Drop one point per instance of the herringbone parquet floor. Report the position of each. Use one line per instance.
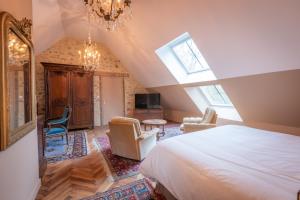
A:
(78, 178)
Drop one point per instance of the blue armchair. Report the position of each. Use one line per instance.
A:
(59, 127)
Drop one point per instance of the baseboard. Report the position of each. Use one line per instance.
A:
(35, 190)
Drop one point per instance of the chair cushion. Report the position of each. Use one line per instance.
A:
(54, 131)
(135, 122)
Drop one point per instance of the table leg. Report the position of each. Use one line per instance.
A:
(163, 132)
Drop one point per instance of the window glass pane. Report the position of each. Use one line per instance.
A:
(216, 95)
(189, 55)
(223, 94)
(194, 48)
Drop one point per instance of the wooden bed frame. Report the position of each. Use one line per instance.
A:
(164, 191)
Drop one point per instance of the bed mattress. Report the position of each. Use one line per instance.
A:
(228, 162)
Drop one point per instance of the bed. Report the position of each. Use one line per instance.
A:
(228, 162)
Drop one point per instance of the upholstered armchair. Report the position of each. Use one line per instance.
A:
(191, 124)
(59, 127)
(128, 140)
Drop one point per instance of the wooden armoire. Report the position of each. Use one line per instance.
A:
(69, 85)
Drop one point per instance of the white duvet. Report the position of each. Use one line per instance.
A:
(229, 162)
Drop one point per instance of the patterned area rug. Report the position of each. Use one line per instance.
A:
(122, 167)
(137, 190)
(171, 131)
(58, 150)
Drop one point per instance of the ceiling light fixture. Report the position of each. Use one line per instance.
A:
(89, 56)
(110, 13)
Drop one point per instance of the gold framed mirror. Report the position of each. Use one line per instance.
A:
(17, 97)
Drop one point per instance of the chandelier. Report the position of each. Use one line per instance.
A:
(89, 56)
(18, 51)
(110, 13)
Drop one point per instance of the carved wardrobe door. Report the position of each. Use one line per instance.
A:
(58, 89)
(82, 90)
(69, 85)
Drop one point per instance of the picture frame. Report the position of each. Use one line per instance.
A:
(17, 85)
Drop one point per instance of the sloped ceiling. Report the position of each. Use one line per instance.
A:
(237, 37)
(47, 24)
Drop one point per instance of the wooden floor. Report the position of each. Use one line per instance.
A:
(78, 178)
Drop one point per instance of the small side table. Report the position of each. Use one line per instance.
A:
(156, 123)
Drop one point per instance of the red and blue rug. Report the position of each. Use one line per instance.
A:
(120, 167)
(123, 167)
(57, 149)
(137, 190)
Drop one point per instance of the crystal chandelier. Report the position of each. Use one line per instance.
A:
(110, 13)
(18, 51)
(89, 56)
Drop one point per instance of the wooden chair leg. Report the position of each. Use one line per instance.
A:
(67, 138)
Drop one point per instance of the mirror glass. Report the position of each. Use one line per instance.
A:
(18, 68)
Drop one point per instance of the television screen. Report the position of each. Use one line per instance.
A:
(144, 101)
(154, 101)
(141, 101)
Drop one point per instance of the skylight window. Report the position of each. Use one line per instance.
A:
(215, 95)
(189, 56)
(184, 60)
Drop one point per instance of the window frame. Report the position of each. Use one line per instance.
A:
(183, 40)
(208, 98)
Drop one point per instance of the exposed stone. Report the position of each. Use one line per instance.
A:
(65, 51)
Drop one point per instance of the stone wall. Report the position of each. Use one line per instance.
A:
(65, 51)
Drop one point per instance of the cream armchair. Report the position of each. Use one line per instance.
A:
(191, 124)
(128, 140)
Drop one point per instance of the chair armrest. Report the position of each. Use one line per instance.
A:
(146, 142)
(147, 134)
(191, 127)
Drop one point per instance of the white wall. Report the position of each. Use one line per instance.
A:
(236, 37)
(19, 173)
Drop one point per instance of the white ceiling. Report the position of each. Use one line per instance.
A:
(237, 37)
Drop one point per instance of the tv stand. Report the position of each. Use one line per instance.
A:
(148, 113)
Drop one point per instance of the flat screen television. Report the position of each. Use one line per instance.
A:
(145, 101)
